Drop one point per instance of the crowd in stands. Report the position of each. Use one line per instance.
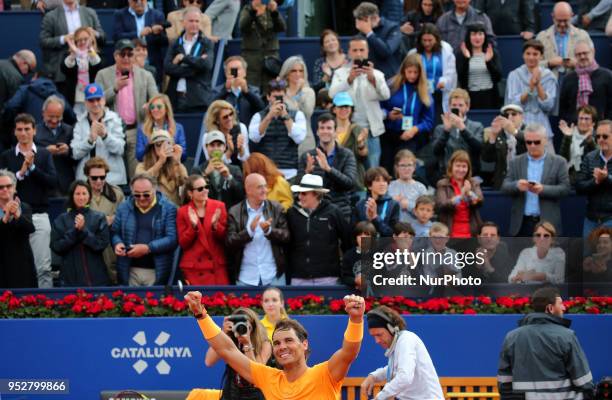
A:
(277, 196)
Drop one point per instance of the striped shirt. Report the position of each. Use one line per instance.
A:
(479, 77)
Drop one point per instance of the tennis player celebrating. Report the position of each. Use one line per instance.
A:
(296, 381)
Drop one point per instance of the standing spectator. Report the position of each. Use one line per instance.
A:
(411, 25)
(144, 235)
(80, 67)
(367, 87)
(335, 164)
(139, 21)
(594, 180)
(259, 46)
(141, 55)
(105, 198)
(526, 359)
(36, 178)
(332, 58)
(378, 208)
(201, 224)
(479, 68)
(383, 37)
(510, 17)
(99, 133)
(453, 24)
(175, 19)
(18, 268)
(127, 88)
(405, 189)
(276, 131)
(223, 14)
(80, 236)
(56, 136)
(189, 63)
(299, 95)
(257, 234)
(319, 231)
(578, 140)
(162, 161)
(278, 187)
(589, 84)
(593, 15)
(12, 73)
(245, 98)
(496, 265)
(534, 88)
(160, 116)
(410, 111)
(458, 197)
(222, 116)
(536, 180)
(558, 41)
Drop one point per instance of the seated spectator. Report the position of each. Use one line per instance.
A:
(438, 263)
(383, 37)
(319, 232)
(457, 132)
(36, 179)
(273, 305)
(479, 68)
(578, 140)
(175, 20)
(189, 63)
(557, 52)
(351, 272)
(367, 87)
(18, 268)
(438, 61)
(453, 24)
(99, 133)
(276, 131)
(224, 180)
(423, 214)
(496, 266)
(138, 20)
(598, 266)
(162, 161)
(256, 235)
(56, 136)
(299, 95)
(334, 163)
(332, 58)
(144, 235)
(378, 208)
(141, 56)
(536, 181)
(510, 17)
(160, 116)
(79, 236)
(223, 117)
(542, 263)
(12, 74)
(409, 110)
(405, 189)
(534, 88)
(245, 98)
(223, 15)
(593, 15)
(458, 197)
(260, 25)
(201, 224)
(593, 180)
(105, 198)
(589, 84)
(80, 67)
(278, 187)
(412, 24)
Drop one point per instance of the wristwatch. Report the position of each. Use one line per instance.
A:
(246, 348)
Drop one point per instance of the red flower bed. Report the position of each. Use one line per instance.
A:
(120, 304)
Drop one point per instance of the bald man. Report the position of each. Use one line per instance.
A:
(257, 230)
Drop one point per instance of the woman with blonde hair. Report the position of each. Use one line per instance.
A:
(410, 111)
(159, 115)
(222, 116)
(273, 304)
(278, 188)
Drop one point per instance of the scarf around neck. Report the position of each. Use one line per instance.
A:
(585, 86)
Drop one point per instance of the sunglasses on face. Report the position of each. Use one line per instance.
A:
(158, 106)
(227, 116)
(126, 55)
(602, 137)
(2, 187)
(541, 235)
(201, 188)
(533, 142)
(142, 195)
(97, 178)
(510, 114)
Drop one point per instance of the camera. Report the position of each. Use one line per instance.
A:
(455, 111)
(241, 325)
(278, 98)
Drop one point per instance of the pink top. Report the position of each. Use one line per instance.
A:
(126, 107)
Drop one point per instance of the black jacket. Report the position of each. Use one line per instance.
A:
(510, 18)
(384, 46)
(446, 143)
(81, 251)
(238, 236)
(247, 104)
(601, 98)
(230, 192)
(316, 240)
(64, 164)
(599, 197)
(196, 67)
(17, 268)
(495, 153)
(10, 79)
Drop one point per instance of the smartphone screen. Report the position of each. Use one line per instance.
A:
(234, 72)
(455, 111)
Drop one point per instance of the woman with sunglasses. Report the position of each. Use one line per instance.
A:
(222, 116)
(541, 263)
(201, 224)
(79, 236)
(159, 115)
(175, 18)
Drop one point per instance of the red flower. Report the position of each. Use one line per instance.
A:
(150, 295)
(117, 293)
(153, 302)
(179, 305)
(49, 304)
(128, 307)
(484, 300)
(469, 311)
(336, 305)
(6, 296)
(14, 302)
(139, 310)
(108, 305)
(234, 303)
(505, 302)
(70, 299)
(593, 310)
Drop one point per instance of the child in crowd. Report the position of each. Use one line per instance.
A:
(405, 190)
(423, 214)
(380, 209)
(351, 260)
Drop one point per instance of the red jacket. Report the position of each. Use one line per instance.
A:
(203, 250)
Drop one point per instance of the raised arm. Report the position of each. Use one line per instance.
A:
(340, 362)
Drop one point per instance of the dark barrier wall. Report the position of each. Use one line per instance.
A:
(100, 354)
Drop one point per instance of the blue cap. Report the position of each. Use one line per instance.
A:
(343, 99)
(93, 91)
